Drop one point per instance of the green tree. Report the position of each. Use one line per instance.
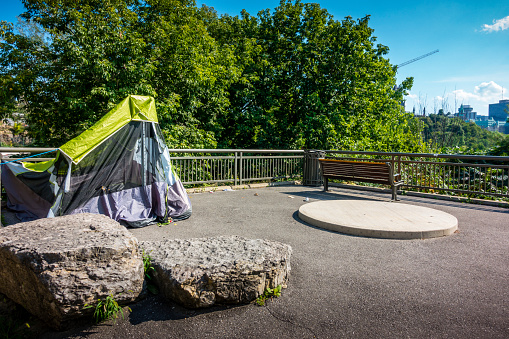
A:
(101, 51)
(311, 81)
(291, 78)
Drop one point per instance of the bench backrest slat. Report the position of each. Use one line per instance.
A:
(376, 172)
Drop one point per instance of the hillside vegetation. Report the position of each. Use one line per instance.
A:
(453, 135)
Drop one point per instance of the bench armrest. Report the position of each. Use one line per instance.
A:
(397, 181)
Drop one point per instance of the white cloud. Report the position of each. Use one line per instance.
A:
(463, 96)
(498, 25)
(486, 92)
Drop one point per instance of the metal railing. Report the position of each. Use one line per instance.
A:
(5, 153)
(200, 166)
(236, 166)
(470, 175)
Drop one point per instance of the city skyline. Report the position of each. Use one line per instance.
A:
(472, 67)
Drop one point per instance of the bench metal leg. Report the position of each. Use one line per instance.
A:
(325, 184)
(394, 194)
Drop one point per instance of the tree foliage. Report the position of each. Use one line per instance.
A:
(309, 81)
(290, 78)
(101, 51)
(444, 134)
(501, 148)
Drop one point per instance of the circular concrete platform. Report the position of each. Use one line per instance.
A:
(379, 219)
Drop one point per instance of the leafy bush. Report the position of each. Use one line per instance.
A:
(269, 294)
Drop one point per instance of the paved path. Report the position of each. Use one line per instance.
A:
(341, 286)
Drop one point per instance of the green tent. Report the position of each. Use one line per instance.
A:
(119, 167)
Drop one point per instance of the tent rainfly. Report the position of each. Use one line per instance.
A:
(119, 167)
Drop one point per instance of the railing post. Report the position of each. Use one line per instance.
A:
(240, 168)
(398, 172)
(312, 173)
(235, 174)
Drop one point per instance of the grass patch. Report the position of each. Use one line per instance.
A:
(149, 269)
(106, 309)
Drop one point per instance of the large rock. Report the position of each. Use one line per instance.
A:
(203, 272)
(53, 267)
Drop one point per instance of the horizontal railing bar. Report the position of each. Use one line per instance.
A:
(269, 178)
(457, 164)
(260, 178)
(209, 157)
(427, 155)
(4, 160)
(207, 181)
(273, 157)
(25, 149)
(174, 150)
(203, 157)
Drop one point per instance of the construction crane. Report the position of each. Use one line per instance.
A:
(418, 58)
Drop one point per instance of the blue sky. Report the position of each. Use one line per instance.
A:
(471, 68)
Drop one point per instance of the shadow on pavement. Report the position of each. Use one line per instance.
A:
(155, 308)
(347, 194)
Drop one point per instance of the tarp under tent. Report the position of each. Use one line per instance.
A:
(119, 167)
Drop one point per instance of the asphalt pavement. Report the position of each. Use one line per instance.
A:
(341, 286)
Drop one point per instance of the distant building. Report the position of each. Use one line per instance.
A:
(497, 111)
(493, 125)
(466, 113)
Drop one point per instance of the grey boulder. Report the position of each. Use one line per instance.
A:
(54, 266)
(225, 270)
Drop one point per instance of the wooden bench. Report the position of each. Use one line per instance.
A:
(362, 171)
